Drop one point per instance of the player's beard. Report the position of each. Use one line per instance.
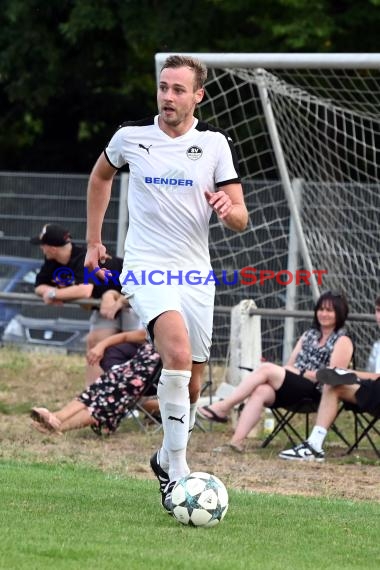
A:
(175, 117)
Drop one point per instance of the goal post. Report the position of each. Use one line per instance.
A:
(245, 342)
(307, 131)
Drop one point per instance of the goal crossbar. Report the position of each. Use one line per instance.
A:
(283, 60)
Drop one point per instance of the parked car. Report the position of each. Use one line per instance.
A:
(17, 275)
(35, 324)
(60, 334)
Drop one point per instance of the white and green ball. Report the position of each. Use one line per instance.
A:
(200, 499)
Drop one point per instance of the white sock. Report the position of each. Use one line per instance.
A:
(317, 437)
(173, 397)
(163, 458)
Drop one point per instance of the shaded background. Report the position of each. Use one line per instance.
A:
(72, 70)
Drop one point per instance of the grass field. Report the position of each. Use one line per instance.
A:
(71, 517)
(84, 502)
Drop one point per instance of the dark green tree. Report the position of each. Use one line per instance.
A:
(72, 70)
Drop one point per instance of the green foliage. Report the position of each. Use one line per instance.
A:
(67, 517)
(71, 71)
(21, 408)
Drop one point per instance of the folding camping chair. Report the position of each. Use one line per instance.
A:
(285, 422)
(136, 405)
(365, 428)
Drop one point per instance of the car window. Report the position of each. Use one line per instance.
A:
(30, 277)
(26, 285)
(23, 283)
(6, 272)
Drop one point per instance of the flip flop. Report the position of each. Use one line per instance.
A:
(336, 376)
(213, 417)
(45, 418)
(43, 429)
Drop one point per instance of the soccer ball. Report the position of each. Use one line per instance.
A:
(199, 499)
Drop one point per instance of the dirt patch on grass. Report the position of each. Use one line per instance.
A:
(52, 380)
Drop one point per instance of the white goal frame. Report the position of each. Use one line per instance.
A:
(284, 61)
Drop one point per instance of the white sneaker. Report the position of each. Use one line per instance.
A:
(303, 452)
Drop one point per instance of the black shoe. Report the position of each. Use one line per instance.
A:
(336, 376)
(162, 476)
(167, 497)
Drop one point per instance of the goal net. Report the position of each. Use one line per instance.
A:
(306, 128)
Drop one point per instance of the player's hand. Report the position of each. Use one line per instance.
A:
(96, 256)
(220, 202)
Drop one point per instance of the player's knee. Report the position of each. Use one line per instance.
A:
(177, 359)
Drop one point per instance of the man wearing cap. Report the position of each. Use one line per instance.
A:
(62, 279)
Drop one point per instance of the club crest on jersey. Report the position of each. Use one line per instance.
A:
(194, 152)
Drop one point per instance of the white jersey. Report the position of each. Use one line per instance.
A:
(168, 212)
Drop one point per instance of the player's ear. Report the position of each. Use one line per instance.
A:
(199, 94)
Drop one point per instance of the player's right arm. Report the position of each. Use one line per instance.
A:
(98, 197)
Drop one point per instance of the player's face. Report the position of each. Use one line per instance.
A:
(326, 315)
(177, 98)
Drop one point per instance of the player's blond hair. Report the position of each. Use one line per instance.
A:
(199, 68)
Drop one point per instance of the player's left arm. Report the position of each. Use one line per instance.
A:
(228, 203)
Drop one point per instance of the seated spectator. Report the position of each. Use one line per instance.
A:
(351, 386)
(113, 347)
(325, 343)
(103, 404)
(62, 279)
(122, 346)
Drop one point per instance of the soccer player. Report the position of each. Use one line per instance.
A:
(181, 169)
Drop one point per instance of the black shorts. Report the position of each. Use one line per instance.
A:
(295, 388)
(368, 396)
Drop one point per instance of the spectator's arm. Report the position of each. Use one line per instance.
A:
(41, 289)
(53, 295)
(341, 356)
(112, 302)
(293, 356)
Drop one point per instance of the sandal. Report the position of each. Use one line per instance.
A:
(46, 419)
(213, 417)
